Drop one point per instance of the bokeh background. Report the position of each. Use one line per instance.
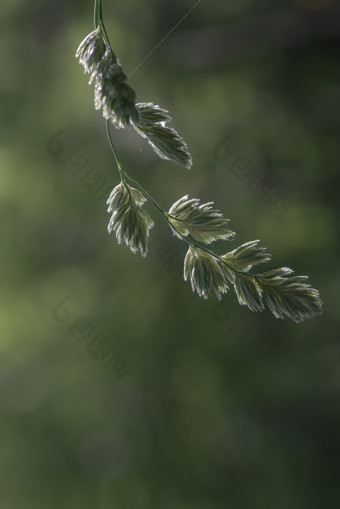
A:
(119, 388)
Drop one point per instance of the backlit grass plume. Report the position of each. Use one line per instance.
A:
(202, 222)
(205, 273)
(130, 222)
(198, 224)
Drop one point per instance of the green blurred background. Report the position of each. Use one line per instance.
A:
(119, 387)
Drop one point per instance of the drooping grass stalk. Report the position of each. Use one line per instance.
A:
(193, 222)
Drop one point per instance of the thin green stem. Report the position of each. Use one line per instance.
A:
(115, 155)
(99, 21)
(96, 16)
(124, 175)
(146, 194)
(106, 37)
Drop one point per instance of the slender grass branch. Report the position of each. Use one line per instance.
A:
(195, 223)
(123, 173)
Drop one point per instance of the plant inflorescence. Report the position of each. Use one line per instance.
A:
(198, 224)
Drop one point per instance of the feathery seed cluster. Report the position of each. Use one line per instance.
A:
(193, 222)
(112, 95)
(130, 222)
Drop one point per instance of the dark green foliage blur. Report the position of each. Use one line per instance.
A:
(120, 388)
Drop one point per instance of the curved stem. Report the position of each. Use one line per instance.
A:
(108, 132)
(111, 144)
(146, 194)
(106, 37)
(123, 174)
(97, 13)
(99, 21)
